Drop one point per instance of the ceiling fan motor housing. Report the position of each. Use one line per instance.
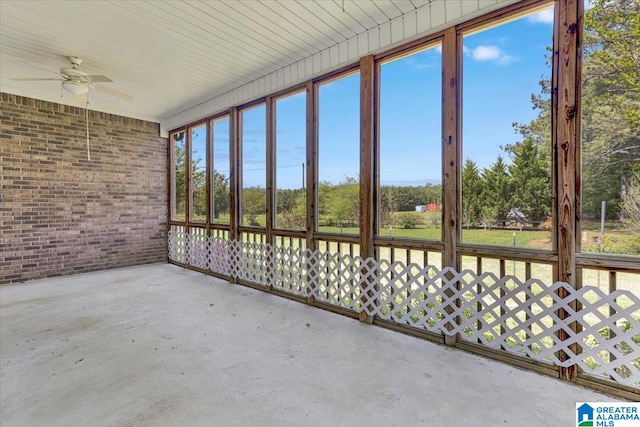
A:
(75, 61)
(74, 74)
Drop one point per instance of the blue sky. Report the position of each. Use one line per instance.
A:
(501, 69)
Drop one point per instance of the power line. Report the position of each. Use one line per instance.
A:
(277, 167)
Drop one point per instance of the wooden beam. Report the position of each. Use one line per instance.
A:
(566, 116)
(270, 207)
(451, 151)
(311, 165)
(171, 161)
(209, 175)
(367, 144)
(270, 137)
(234, 179)
(312, 175)
(620, 263)
(188, 170)
(510, 253)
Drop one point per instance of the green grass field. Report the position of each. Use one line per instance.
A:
(617, 239)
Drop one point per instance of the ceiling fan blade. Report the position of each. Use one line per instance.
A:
(32, 65)
(113, 92)
(34, 80)
(98, 78)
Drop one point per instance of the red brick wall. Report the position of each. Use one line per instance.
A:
(62, 214)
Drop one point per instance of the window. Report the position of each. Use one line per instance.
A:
(198, 202)
(178, 193)
(410, 194)
(220, 182)
(290, 159)
(254, 166)
(339, 154)
(610, 136)
(506, 132)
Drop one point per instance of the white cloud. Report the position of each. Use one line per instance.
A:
(419, 66)
(507, 59)
(543, 17)
(489, 53)
(486, 53)
(422, 63)
(416, 65)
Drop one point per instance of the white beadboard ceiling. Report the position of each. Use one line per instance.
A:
(182, 60)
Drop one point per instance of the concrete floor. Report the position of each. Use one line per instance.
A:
(161, 345)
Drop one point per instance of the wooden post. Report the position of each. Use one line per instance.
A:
(451, 153)
(271, 164)
(187, 180)
(270, 210)
(171, 161)
(234, 179)
(209, 175)
(566, 148)
(311, 170)
(367, 146)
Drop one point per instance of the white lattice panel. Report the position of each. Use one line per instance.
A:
(610, 344)
(199, 251)
(220, 253)
(177, 246)
(336, 279)
(235, 258)
(500, 312)
(255, 262)
(411, 294)
(290, 269)
(517, 317)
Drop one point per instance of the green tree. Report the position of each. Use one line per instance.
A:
(388, 206)
(472, 191)
(221, 194)
(179, 167)
(498, 191)
(407, 220)
(287, 199)
(408, 197)
(198, 191)
(611, 108)
(431, 194)
(632, 202)
(611, 46)
(531, 181)
(538, 130)
(324, 191)
(253, 204)
(529, 175)
(343, 203)
(291, 208)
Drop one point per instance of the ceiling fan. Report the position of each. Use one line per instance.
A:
(78, 83)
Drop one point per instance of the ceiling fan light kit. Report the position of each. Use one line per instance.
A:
(74, 87)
